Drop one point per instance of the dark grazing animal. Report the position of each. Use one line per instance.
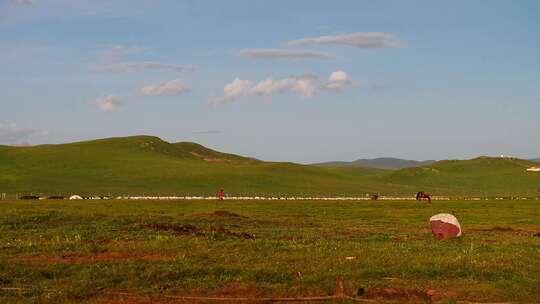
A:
(422, 196)
(28, 197)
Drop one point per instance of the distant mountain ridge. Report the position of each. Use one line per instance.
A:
(379, 163)
(535, 160)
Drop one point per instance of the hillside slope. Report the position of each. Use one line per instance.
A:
(146, 165)
(149, 165)
(380, 163)
(483, 176)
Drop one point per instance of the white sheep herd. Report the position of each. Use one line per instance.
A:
(270, 198)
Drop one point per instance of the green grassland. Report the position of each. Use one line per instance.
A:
(145, 165)
(80, 251)
(148, 165)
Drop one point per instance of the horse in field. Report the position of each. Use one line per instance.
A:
(422, 196)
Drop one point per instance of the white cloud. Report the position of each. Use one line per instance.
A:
(108, 103)
(141, 66)
(14, 134)
(338, 80)
(360, 40)
(284, 54)
(233, 90)
(172, 87)
(306, 85)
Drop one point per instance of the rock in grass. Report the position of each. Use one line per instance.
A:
(444, 226)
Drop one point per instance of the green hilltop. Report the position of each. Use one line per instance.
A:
(146, 165)
(482, 176)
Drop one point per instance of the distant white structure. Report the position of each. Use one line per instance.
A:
(75, 197)
(533, 169)
(507, 156)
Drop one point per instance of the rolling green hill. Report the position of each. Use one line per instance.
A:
(146, 165)
(483, 176)
(380, 163)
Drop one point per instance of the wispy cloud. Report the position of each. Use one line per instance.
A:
(21, 2)
(306, 85)
(115, 52)
(360, 40)
(284, 54)
(207, 132)
(108, 103)
(141, 66)
(172, 87)
(377, 86)
(11, 133)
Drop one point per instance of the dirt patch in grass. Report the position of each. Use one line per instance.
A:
(220, 213)
(117, 243)
(407, 238)
(368, 229)
(441, 294)
(236, 290)
(177, 229)
(404, 294)
(503, 229)
(102, 241)
(393, 294)
(94, 257)
(131, 300)
(124, 297)
(198, 231)
(354, 230)
(242, 290)
(233, 290)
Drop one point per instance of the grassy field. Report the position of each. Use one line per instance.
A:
(146, 165)
(79, 252)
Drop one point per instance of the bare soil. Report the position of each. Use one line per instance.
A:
(198, 231)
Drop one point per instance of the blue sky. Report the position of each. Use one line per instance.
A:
(301, 81)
